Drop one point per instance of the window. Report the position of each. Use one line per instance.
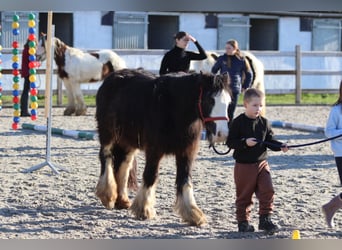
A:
(107, 18)
(7, 36)
(161, 29)
(130, 31)
(263, 34)
(326, 35)
(233, 28)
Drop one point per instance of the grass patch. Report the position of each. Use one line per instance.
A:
(271, 99)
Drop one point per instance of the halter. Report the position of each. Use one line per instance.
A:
(208, 119)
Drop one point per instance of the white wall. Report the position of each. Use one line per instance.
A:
(89, 33)
(290, 35)
(195, 25)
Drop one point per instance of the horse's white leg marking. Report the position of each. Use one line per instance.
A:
(106, 188)
(187, 208)
(70, 109)
(121, 177)
(143, 204)
(81, 108)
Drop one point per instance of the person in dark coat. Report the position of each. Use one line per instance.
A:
(25, 73)
(234, 63)
(178, 59)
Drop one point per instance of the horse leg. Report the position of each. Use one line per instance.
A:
(143, 204)
(186, 205)
(122, 168)
(106, 188)
(81, 108)
(70, 109)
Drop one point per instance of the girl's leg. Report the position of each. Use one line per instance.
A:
(338, 161)
(232, 105)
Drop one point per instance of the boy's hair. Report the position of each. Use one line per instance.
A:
(252, 92)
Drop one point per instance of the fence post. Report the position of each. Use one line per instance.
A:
(59, 91)
(298, 75)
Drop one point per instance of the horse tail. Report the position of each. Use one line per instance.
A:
(132, 178)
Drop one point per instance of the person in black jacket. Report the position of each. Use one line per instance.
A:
(251, 170)
(178, 59)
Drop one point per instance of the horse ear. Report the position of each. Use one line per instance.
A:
(214, 56)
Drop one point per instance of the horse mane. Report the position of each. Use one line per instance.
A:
(59, 52)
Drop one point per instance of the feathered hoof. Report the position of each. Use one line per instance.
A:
(142, 212)
(197, 218)
(108, 197)
(80, 112)
(122, 204)
(108, 203)
(69, 111)
(192, 215)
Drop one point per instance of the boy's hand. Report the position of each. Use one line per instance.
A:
(251, 142)
(284, 148)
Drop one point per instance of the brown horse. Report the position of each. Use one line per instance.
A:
(161, 116)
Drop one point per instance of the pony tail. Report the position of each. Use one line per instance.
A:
(248, 65)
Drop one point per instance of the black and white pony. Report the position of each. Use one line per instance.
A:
(165, 115)
(76, 67)
(256, 66)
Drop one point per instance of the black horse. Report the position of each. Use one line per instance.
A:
(159, 115)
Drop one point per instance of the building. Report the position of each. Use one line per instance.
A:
(269, 35)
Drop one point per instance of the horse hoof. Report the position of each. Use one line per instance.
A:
(122, 204)
(143, 213)
(69, 111)
(80, 112)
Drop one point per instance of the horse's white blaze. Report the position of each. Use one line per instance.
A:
(222, 100)
(144, 201)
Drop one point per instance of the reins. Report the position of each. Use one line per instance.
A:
(218, 152)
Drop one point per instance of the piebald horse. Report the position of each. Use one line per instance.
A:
(160, 115)
(76, 67)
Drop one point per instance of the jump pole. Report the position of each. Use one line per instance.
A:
(48, 101)
(296, 126)
(63, 132)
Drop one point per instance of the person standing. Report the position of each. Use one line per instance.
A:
(251, 170)
(334, 128)
(25, 73)
(178, 59)
(238, 68)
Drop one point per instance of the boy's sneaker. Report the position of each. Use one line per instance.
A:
(244, 226)
(265, 223)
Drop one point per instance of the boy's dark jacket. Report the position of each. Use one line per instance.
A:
(243, 128)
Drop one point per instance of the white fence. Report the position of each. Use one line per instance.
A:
(285, 72)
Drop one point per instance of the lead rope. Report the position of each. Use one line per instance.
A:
(298, 145)
(280, 146)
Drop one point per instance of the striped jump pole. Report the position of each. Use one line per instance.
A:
(63, 132)
(296, 126)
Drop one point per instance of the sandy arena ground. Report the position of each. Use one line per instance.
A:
(43, 205)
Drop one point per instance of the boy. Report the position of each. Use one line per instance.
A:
(251, 170)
